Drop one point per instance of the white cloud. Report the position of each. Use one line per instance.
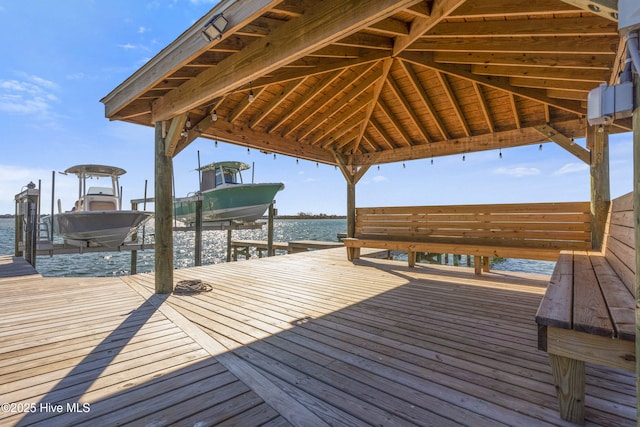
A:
(127, 46)
(379, 178)
(142, 30)
(571, 168)
(518, 171)
(30, 95)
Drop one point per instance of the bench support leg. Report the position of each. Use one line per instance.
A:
(353, 253)
(477, 264)
(411, 256)
(569, 379)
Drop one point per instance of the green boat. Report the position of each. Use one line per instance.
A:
(225, 197)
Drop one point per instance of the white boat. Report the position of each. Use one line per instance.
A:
(97, 217)
(225, 197)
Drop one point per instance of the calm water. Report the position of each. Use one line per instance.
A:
(214, 249)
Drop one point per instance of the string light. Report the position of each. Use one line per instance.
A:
(215, 143)
(248, 152)
(214, 116)
(274, 156)
(432, 160)
(317, 164)
(540, 147)
(464, 157)
(500, 152)
(404, 166)
(251, 97)
(297, 162)
(378, 167)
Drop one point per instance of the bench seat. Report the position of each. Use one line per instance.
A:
(588, 311)
(528, 231)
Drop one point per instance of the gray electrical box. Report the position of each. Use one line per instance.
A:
(628, 16)
(607, 103)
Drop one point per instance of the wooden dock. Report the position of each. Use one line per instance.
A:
(303, 339)
(244, 246)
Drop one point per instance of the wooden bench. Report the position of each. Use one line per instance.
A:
(588, 311)
(528, 231)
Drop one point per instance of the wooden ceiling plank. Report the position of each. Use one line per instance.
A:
(340, 119)
(553, 45)
(293, 74)
(184, 49)
(386, 67)
(382, 132)
(353, 123)
(394, 122)
(551, 84)
(356, 90)
(328, 22)
(556, 27)
(584, 75)
(589, 61)
(317, 88)
(243, 105)
(549, 132)
(500, 83)
(327, 97)
(484, 107)
(242, 135)
(483, 9)
(391, 27)
(454, 102)
(408, 109)
(417, 86)
(439, 11)
(275, 102)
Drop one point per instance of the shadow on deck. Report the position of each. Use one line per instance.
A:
(301, 339)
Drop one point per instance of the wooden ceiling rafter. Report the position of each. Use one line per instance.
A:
(330, 21)
(319, 100)
(379, 84)
(356, 89)
(497, 82)
(408, 110)
(386, 111)
(380, 76)
(449, 92)
(275, 102)
(424, 98)
(484, 107)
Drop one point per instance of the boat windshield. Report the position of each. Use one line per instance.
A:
(105, 191)
(225, 177)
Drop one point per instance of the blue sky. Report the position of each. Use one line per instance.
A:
(60, 58)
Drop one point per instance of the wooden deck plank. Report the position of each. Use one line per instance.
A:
(292, 340)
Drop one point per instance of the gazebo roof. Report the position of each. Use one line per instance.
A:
(374, 81)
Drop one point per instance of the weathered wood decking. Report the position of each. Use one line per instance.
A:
(299, 339)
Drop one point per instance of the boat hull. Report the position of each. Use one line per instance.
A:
(99, 228)
(236, 202)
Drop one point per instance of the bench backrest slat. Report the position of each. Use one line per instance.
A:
(536, 225)
(619, 242)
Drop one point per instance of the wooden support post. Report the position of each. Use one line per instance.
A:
(569, 379)
(134, 239)
(351, 208)
(411, 256)
(636, 214)
(198, 236)
(598, 141)
(19, 229)
(485, 264)
(163, 216)
(270, 250)
(477, 264)
(229, 246)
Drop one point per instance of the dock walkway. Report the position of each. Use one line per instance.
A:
(302, 339)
